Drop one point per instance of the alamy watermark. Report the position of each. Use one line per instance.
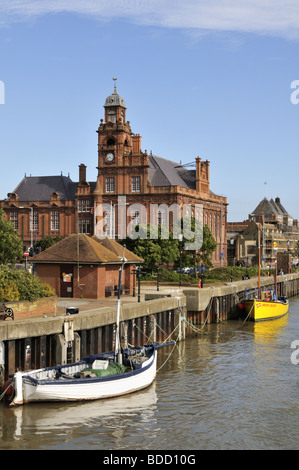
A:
(295, 354)
(182, 221)
(295, 94)
(2, 92)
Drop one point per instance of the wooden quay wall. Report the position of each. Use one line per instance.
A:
(42, 342)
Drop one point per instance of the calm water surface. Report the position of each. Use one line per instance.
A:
(233, 387)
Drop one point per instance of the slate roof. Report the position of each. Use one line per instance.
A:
(91, 251)
(164, 172)
(161, 172)
(114, 100)
(40, 188)
(269, 208)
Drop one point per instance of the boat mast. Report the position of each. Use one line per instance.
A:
(259, 248)
(117, 340)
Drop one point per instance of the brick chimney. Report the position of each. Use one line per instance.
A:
(136, 143)
(82, 173)
(202, 176)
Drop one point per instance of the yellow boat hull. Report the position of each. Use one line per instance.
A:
(260, 310)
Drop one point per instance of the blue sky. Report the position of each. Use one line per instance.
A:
(199, 78)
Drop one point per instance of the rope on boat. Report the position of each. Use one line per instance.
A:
(164, 341)
(148, 338)
(167, 359)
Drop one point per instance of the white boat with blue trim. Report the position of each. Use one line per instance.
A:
(92, 378)
(104, 375)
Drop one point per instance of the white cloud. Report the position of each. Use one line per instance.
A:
(275, 17)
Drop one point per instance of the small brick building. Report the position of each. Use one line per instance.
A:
(84, 266)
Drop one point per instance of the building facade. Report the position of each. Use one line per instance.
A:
(131, 187)
(268, 226)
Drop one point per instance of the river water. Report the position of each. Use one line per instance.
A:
(232, 387)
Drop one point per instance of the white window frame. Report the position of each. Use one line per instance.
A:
(55, 220)
(136, 184)
(83, 205)
(13, 217)
(110, 184)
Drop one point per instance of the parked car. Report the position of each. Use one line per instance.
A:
(185, 270)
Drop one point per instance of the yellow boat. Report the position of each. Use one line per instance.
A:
(266, 308)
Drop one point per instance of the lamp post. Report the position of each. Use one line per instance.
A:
(31, 225)
(180, 238)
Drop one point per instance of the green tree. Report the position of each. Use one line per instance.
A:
(209, 245)
(161, 250)
(46, 242)
(11, 246)
(202, 255)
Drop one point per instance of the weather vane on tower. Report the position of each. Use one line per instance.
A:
(114, 79)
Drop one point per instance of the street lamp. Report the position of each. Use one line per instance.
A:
(180, 238)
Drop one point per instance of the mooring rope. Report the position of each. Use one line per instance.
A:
(200, 330)
(164, 341)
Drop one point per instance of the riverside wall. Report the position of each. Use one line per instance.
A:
(47, 341)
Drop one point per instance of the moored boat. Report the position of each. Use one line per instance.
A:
(92, 378)
(267, 305)
(263, 309)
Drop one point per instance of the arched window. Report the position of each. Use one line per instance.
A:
(111, 141)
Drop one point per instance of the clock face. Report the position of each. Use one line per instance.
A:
(109, 157)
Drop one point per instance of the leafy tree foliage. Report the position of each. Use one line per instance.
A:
(203, 255)
(16, 284)
(160, 251)
(11, 246)
(165, 249)
(46, 242)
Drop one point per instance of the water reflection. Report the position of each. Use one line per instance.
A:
(267, 331)
(42, 419)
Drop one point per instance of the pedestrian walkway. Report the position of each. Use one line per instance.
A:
(87, 305)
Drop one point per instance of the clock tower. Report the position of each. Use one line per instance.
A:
(119, 150)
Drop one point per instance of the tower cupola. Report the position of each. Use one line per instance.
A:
(115, 107)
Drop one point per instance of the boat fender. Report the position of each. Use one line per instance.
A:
(7, 387)
(240, 306)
